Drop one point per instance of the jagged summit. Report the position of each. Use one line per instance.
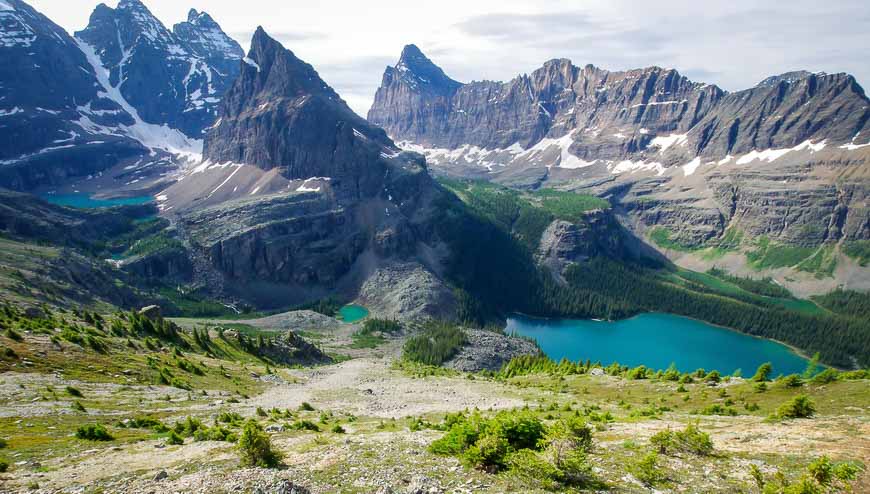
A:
(418, 71)
(172, 77)
(281, 114)
(621, 112)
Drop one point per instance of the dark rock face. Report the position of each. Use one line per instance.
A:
(47, 84)
(619, 113)
(564, 243)
(313, 198)
(280, 114)
(551, 101)
(786, 160)
(176, 78)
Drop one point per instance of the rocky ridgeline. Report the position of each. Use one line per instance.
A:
(616, 115)
(786, 159)
(125, 91)
(174, 77)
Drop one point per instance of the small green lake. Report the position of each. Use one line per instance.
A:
(352, 313)
(86, 201)
(657, 340)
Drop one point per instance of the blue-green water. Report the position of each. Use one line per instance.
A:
(85, 201)
(353, 313)
(657, 340)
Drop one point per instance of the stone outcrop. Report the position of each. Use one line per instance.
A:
(487, 350)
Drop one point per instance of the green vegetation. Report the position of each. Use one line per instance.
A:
(94, 432)
(371, 333)
(763, 372)
(858, 250)
(846, 302)
(765, 287)
(567, 205)
(521, 443)
(152, 244)
(327, 307)
(769, 254)
(373, 325)
(256, 448)
(822, 262)
(436, 344)
(663, 237)
(688, 440)
(820, 476)
(647, 470)
(800, 407)
(497, 274)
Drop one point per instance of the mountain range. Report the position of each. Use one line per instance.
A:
(688, 163)
(276, 192)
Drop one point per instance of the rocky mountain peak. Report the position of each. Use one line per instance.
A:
(281, 114)
(419, 72)
(787, 77)
(204, 37)
(170, 77)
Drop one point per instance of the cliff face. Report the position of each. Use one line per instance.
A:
(786, 160)
(297, 196)
(618, 115)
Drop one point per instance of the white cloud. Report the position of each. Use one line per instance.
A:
(733, 44)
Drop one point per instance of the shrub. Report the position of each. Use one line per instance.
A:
(305, 425)
(827, 376)
(800, 407)
(256, 448)
(174, 439)
(373, 325)
(306, 407)
(713, 377)
(647, 470)
(73, 392)
(337, 429)
(689, 440)
(4, 466)
(3, 443)
(763, 372)
(94, 432)
(718, 409)
(792, 381)
(533, 468)
(14, 335)
(77, 406)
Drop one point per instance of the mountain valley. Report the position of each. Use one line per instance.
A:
(215, 276)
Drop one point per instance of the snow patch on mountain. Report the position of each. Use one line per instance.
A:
(690, 167)
(663, 143)
(636, 166)
(150, 135)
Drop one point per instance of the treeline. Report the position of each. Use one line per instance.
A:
(837, 339)
(436, 344)
(765, 287)
(846, 302)
(497, 275)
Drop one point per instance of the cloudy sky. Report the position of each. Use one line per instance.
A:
(734, 44)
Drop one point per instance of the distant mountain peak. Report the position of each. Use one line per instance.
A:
(417, 70)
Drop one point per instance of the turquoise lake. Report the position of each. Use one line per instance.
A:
(353, 313)
(85, 201)
(657, 340)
